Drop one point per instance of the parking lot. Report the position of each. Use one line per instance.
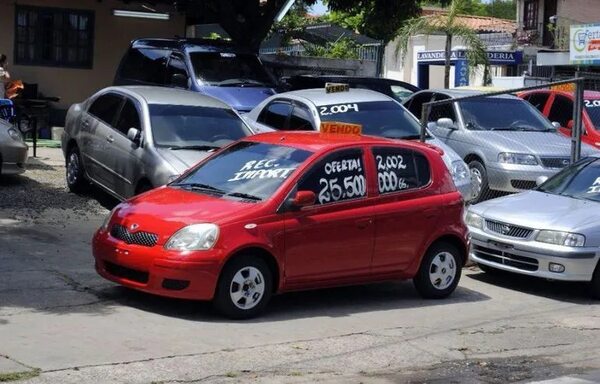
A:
(61, 322)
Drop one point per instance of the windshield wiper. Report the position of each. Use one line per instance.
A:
(244, 196)
(194, 147)
(198, 187)
(241, 82)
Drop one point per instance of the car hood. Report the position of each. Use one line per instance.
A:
(539, 143)
(539, 210)
(165, 210)
(182, 159)
(242, 99)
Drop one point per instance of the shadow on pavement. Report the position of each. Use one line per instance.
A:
(570, 292)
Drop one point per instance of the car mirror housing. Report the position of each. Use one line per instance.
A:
(445, 122)
(556, 124)
(134, 135)
(304, 199)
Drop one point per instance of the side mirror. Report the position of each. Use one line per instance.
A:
(134, 135)
(541, 180)
(556, 124)
(445, 122)
(180, 81)
(304, 199)
(570, 124)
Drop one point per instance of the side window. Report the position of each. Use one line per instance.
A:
(300, 120)
(106, 107)
(176, 66)
(400, 169)
(275, 114)
(145, 65)
(416, 104)
(400, 93)
(442, 111)
(561, 110)
(538, 100)
(129, 118)
(338, 177)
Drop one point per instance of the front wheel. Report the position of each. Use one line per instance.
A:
(479, 181)
(75, 174)
(245, 288)
(439, 272)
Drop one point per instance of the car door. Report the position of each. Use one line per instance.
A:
(404, 212)
(97, 133)
(561, 111)
(333, 239)
(276, 114)
(124, 158)
(301, 118)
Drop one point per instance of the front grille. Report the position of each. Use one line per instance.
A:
(555, 162)
(523, 184)
(506, 258)
(126, 273)
(146, 239)
(508, 229)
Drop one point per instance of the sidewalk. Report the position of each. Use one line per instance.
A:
(48, 156)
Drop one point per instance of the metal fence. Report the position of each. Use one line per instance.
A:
(506, 143)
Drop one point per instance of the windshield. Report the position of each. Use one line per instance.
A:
(247, 170)
(580, 181)
(378, 118)
(192, 126)
(592, 106)
(490, 114)
(230, 69)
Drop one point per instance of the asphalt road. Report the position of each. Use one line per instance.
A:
(60, 322)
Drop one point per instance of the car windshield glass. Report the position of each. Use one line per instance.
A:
(378, 118)
(580, 181)
(489, 114)
(230, 69)
(184, 126)
(246, 170)
(593, 109)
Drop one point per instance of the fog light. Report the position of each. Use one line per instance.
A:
(558, 268)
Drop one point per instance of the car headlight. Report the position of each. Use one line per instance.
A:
(108, 218)
(195, 237)
(517, 158)
(14, 134)
(561, 238)
(460, 170)
(473, 220)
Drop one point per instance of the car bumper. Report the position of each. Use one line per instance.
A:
(532, 258)
(516, 178)
(152, 270)
(14, 158)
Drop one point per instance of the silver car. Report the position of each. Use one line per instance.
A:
(131, 139)
(13, 150)
(551, 232)
(506, 142)
(380, 115)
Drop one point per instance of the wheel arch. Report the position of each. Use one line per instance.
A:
(264, 255)
(455, 241)
(474, 156)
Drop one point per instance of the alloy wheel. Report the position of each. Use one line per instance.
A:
(73, 168)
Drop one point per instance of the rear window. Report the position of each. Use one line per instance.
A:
(145, 65)
(592, 106)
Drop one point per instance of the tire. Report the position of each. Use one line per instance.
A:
(595, 283)
(489, 270)
(230, 298)
(75, 174)
(479, 181)
(439, 272)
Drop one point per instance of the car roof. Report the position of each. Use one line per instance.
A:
(588, 94)
(169, 96)
(455, 93)
(188, 43)
(354, 79)
(317, 141)
(319, 96)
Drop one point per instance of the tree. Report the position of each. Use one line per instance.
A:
(447, 24)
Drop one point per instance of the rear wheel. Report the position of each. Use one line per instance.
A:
(479, 181)
(439, 272)
(245, 288)
(595, 284)
(75, 173)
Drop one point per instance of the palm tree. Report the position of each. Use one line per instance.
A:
(449, 24)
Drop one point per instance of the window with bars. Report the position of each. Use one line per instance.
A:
(530, 14)
(54, 37)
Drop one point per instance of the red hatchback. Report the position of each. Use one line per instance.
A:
(279, 212)
(557, 106)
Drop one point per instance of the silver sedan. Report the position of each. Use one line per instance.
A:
(13, 150)
(551, 232)
(128, 140)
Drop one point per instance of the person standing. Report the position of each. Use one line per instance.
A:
(4, 75)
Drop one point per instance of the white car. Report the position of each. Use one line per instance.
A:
(378, 114)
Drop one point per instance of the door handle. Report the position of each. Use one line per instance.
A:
(110, 139)
(362, 224)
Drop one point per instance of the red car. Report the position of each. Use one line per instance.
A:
(557, 106)
(279, 212)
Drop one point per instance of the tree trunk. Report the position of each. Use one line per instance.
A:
(447, 61)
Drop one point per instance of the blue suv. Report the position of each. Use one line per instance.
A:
(212, 67)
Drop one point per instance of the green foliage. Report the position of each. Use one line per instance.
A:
(503, 9)
(343, 48)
